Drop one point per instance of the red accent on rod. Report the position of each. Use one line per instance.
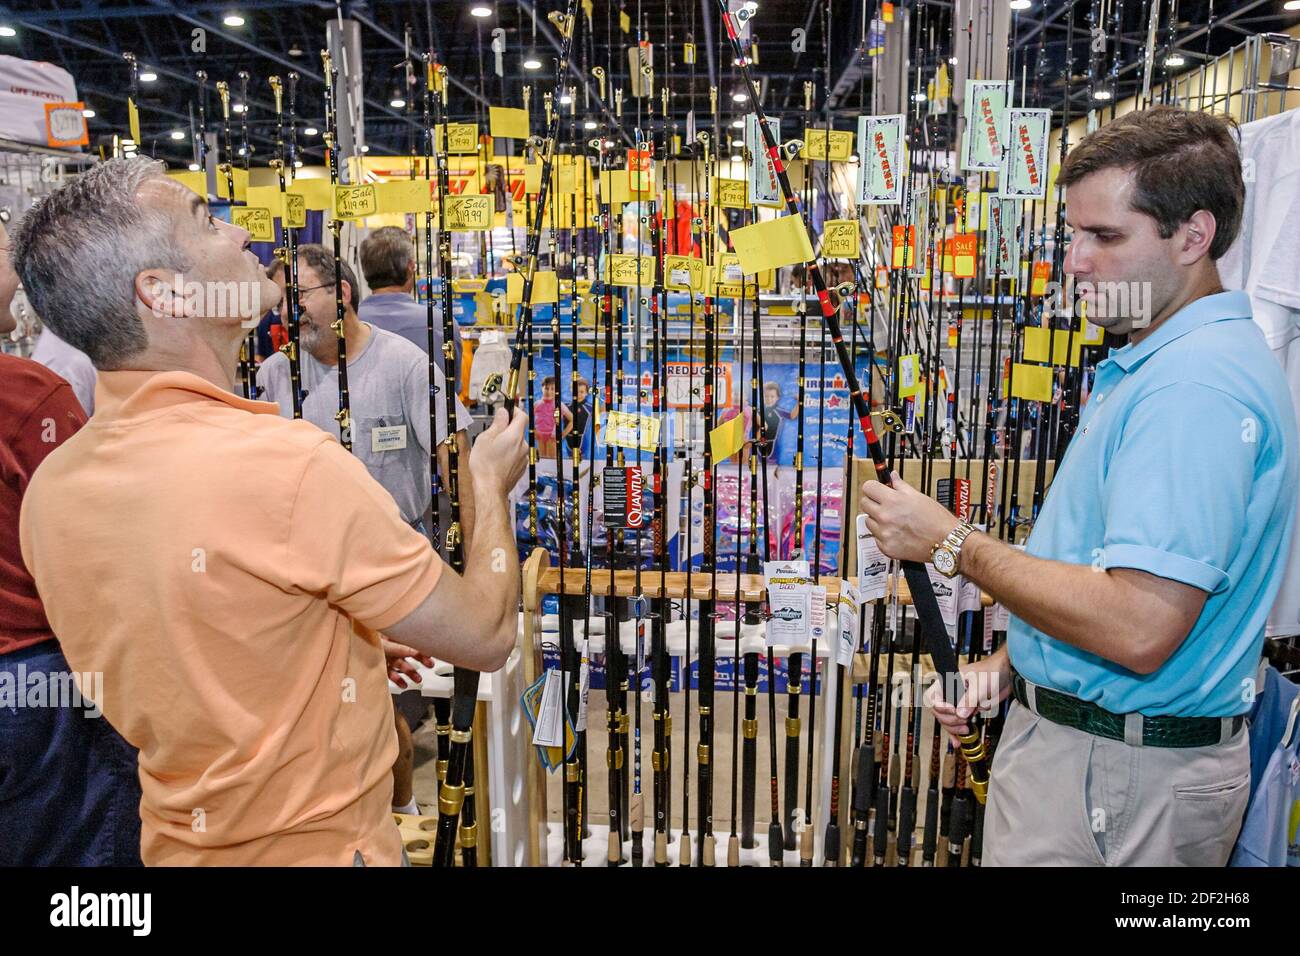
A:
(871, 438)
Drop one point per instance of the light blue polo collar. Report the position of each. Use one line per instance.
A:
(1204, 311)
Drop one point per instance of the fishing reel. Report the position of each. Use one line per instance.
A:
(561, 22)
(892, 420)
(845, 289)
(745, 13)
(491, 387)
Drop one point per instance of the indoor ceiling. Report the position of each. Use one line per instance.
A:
(88, 39)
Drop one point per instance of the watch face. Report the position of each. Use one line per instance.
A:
(945, 562)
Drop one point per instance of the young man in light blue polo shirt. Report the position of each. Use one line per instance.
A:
(1140, 600)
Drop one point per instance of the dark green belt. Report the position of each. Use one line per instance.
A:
(1083, 715)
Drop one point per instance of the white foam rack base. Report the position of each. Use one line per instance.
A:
(751, 641)
(509, 749)
(595, 848)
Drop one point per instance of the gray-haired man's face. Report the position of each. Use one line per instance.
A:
(225, 280)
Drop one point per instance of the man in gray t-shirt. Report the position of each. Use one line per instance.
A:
(388, 263)
(388, 388)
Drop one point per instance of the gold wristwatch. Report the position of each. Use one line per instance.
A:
(947, 553)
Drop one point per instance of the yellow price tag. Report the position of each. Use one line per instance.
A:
(257, 220)
(731, 193)
(815, 144)
(684, 273)
(622, 429)
(355, 202)
(459, 137)
(629, 271)
(469, 213)
(840, 239)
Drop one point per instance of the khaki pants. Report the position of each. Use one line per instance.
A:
(1060, 797)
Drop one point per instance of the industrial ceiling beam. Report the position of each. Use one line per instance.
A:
(285, 62)
(117, 54)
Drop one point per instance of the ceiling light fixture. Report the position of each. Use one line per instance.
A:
(589, 124)
(178, 134)
(195, 167)
(310, 131)
(1101, 95)
(233, 20)
(531, 62)
(8, 32)
(480, 11)
(148, 76)
(89, 114)
(1020, 4)
(740, 97)
(1175, 59)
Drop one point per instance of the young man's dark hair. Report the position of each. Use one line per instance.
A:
(1182, 161)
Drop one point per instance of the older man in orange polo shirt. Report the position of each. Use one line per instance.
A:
(230, 571)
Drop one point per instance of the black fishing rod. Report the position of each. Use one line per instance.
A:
(287, 252)
(455, 796)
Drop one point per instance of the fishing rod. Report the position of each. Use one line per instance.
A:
(344, 416)
(524, 320)
(709, 566)
(697, 229)
(794, 662)
(753, 611)
(733, 843)
(441, 705)
(661, 607)
(570, 666)
(578, 663)
(775, 830)
(636, 808)
(248, 351)
(288, 253)
(227, 169)
(455, 796)
(613, 651)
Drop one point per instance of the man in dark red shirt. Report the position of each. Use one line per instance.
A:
(69, 785)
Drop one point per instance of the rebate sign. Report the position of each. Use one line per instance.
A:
(624, 491)
(65, 125)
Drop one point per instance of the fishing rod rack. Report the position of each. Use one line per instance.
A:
(541, 580)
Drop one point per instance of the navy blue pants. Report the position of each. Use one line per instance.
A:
(69, 783)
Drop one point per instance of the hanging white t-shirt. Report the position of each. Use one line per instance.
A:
(1265, 262)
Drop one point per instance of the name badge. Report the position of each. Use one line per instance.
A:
(388, 438)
